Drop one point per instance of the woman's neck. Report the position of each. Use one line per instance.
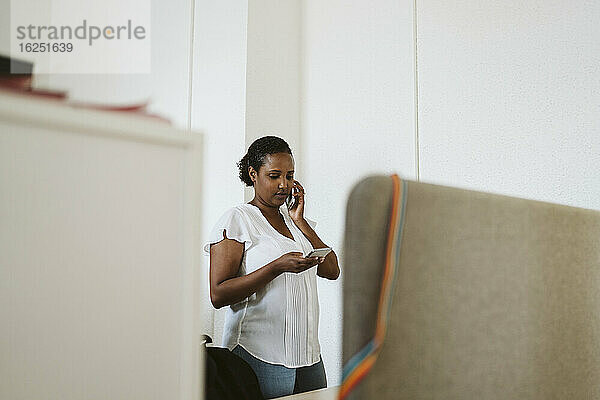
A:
(267, 210)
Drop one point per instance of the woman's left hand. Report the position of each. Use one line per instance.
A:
(297, 211)
(328, 266)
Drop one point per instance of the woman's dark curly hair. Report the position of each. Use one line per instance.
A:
(257, 152)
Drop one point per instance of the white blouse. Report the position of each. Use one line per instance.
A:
(279, 324)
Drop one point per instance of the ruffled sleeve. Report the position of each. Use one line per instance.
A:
(235, 227)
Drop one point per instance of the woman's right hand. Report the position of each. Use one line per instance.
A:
(295, 262)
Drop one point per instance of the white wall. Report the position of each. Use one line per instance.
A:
(507, 101)
(4, 27)
(357, 119)
(218, 110)
(509, 97)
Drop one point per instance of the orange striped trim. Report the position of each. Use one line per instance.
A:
(361, 363)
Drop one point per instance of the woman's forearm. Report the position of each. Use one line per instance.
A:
(234, 290)
(329, 268)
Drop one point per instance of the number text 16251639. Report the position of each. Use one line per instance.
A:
(59, 47)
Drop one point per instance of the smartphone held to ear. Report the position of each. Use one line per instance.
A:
(291, 199)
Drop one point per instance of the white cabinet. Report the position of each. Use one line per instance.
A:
(99, 255)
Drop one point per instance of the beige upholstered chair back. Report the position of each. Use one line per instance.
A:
(493, 297)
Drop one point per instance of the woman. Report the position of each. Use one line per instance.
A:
(258, 269)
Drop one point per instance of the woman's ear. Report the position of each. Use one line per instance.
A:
(252, 173)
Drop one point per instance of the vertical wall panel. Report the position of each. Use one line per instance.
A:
(273, 71)
(273, 95)
(509, 97)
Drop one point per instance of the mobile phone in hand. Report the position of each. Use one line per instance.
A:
(291, 200)
(319, 252)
